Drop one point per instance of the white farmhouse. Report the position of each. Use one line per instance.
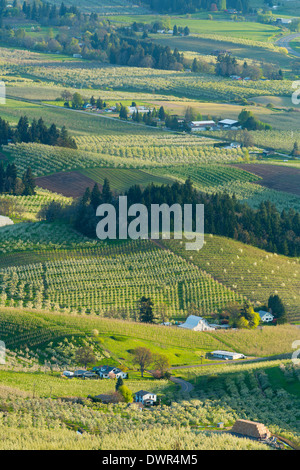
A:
(107, 372)
(266, 317)
(196, 324)
(146, 398)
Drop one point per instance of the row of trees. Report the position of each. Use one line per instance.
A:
(10, 183)
(37, 132)
(192, 6)
(225, 215)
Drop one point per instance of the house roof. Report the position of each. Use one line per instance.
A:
(191, 322)
(228, 122)
(202, 123)
(142, 393)
(225, 353)
(262, 313)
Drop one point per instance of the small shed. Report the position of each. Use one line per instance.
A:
(252, 429)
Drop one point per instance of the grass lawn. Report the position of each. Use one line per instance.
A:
(221, 24)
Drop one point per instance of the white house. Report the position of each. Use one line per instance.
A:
(266, 317)
(4, 221)
(106, 372)
(283, 21)
(146, 398)
(196, 324)
(227, 355)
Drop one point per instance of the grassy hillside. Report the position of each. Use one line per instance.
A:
(115, 339)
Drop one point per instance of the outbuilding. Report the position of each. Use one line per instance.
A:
(227, 355)
(197, 126)
(252, 429)
(229, 124)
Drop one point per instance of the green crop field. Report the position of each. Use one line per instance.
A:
(113, 278)
(121, 179)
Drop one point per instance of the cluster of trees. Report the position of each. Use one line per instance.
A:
(137, 53)
(144, 358)
(250, 122)
(245, 316)
(228, 65)
(264, 228)
(37, 132)
(241, 317)
(77, 101)
(192, 6)
(10, 183)
(179, 30)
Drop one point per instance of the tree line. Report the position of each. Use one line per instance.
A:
(36, 132)
(192, 6)
(10, 183)
(265, 227)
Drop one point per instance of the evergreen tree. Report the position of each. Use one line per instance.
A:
(146, 310)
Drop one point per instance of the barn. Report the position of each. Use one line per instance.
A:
(196, 324)
(252, 429)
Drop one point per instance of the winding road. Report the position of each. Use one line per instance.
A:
(186, 387)
(285, 42)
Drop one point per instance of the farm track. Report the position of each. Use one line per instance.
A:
(285, 42)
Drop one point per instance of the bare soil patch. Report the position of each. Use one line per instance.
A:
(69, 183)
(275, 177)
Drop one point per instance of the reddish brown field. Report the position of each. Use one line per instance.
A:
(69, 183)
(275, 176)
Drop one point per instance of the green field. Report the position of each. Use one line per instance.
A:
(122, 179)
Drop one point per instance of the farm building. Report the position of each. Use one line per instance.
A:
(197, 126)
(266, 317)
(4, 221)
(283, 21)
(227, 355)
(251, 429)
(229, 124)
(146, 398)
(107, 372)
(196, 324)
